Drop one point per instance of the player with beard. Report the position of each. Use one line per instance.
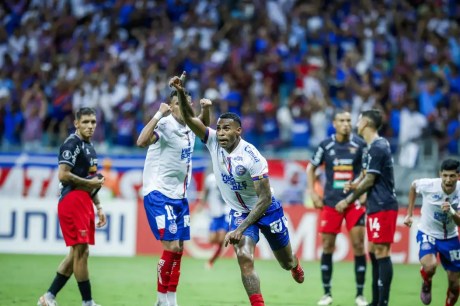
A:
(243, 180)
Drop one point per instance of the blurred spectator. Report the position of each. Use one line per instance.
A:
(245, 55)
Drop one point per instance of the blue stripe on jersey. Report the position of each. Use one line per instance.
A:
(260, 177)
(206, 136)
(158, 136)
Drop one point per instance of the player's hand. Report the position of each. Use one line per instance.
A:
(408, 221)
(102, 219)
(205, 103)
(349, 186)
(165, 109)
(341, 206)
(96, 182)
(233, 237)
(177, 82)
(317, 201)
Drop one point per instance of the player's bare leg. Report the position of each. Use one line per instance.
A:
(453, 288)
(168, 272)
(80, 270)
(427, 271)
(245, 254)
(357, 234)
(64, 272)
(289, 261)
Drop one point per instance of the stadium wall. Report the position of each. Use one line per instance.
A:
(29, 224)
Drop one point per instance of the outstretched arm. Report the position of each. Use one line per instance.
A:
(147, 135)
(205, 115)
(410, 208)
(194, 123)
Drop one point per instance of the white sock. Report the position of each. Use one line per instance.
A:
(172, 298)
(162, 297)
(49, 296)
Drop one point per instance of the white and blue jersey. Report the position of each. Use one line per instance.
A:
(235, 175)
(438, 233)
(434, 221)
(168, 164)
(236, 172)
(167, 174)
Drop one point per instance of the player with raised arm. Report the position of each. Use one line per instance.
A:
(438, 228)
(166, 177)
(382, 206)
(79, 186)
(242, 176)
(342, 156)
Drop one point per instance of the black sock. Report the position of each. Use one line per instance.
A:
(326, 272)
(385, 275)
(360, 273)
(375, 279)
(85, 290)
(58, 283)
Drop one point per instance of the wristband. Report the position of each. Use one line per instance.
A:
(158, 115)
(98, 206)
(452, 211)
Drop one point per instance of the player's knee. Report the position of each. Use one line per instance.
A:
(358, 247)
(430, 269)
(81, 252)
(245, 259)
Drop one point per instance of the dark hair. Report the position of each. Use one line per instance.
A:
(338, 111)
(450, 164)
(85, 111)
(173, 93)
(375, 117)
(233, 116)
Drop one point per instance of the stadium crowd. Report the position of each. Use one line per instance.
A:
(283, 65)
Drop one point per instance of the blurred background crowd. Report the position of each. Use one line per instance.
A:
(284, 66)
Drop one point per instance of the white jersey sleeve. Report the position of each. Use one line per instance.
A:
(434, 221)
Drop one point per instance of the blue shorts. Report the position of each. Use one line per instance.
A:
(169, 219)
(448, 249)
(273, 225)
(219, 224)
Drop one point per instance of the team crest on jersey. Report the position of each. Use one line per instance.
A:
(425, 246)
(240, 170)
(66, 154)
(332, 152)
(238, 221)
(353, 150)
(172, 228)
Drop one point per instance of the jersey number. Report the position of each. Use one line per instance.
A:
(374, 224)
(426, 238)
(170, 212)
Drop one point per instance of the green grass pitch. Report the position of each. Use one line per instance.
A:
(132, 281)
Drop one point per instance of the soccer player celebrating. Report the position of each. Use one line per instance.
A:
(167, 174)
(342, 156)
(438, 228)
(382, 206)
(242, 177)
(77, 161)
(218, 212)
